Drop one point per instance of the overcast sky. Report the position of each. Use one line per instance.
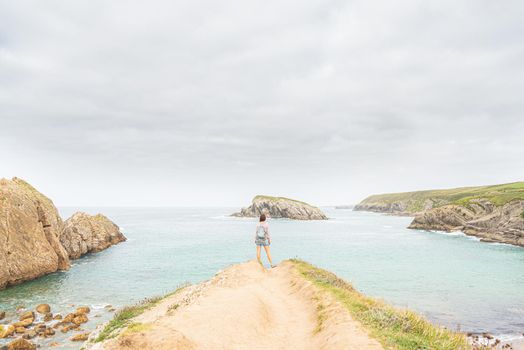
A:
(211, 102)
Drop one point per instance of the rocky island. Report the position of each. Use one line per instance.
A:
(492, 213)
(281, 207)
(34, 240)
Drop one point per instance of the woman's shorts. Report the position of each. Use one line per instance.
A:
(262, 242)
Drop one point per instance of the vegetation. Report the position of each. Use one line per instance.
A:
(496, 194)
(276, 199)
(124, 317)
(394, 328)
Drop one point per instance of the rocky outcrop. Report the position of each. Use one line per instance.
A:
(33, 239)
(84, 233)
(492, 213)
(29, 234)
(480, 218)
(280, 207)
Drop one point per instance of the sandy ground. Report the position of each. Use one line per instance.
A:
(247, 307)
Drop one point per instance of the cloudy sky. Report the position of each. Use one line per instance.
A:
(210, 102)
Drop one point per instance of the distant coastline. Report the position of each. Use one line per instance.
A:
(491, 213)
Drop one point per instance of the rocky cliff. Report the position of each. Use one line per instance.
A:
(31, 242)
(492, 213)
(280, 207)
(29, 234)
(504, 224)
(84, 233)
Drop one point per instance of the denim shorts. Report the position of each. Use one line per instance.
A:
(262, 244)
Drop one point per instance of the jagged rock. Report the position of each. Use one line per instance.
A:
(82, 318)
(48, 317)
(33, 239)
(43, 309)
(29, 234)
(280, 207)
(82, 310)
(30, 334)
(21, 344)
(2, 315)
(26, 314)
(493, 213)
(80, 337)
(69, 318)
(6, 331)
(481, 218)
(24, 323)
(84, 233)
(57, 317)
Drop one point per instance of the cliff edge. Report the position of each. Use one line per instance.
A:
(34, 240)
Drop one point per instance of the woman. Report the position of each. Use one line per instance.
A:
(262, 239)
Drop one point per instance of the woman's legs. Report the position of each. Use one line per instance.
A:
(258, 255)
(268, 253)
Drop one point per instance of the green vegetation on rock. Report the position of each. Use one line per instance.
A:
(496, 194)
(124, 317)
(277, 199)
(394, 328)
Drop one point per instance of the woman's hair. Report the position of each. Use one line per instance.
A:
(262, 217)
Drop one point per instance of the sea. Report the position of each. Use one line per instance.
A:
(452, 279)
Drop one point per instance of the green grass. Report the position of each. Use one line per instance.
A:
(123, 318)
(395, 329)
(522, 214)
(496, 194)
(276, 199)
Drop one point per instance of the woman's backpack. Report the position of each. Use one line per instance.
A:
(261, 232)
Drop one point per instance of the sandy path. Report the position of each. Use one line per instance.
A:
(246, 307)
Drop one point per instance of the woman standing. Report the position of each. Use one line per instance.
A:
(262, 239)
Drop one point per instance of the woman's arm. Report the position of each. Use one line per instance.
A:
(267, 234)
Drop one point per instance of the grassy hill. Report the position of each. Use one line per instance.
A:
(496, 194)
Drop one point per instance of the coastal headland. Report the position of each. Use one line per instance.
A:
(492, 213)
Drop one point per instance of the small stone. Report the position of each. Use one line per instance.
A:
(20, 330)
(43, 308)
(40, 328)
(30, 334)
(2, 315)
(54, 344)
(69, 317)
(49, 332)
(57, 317)
(111, 310)
(24, 323)
(48, 317)
(68, 328)
(26, 315)
(83, 310)
(80, 319)
(21, 344)
(108, 306)
(80, 337)
(6, 331)
(20, 307)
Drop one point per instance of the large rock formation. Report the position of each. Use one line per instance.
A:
(84, 233)
(493, 213)
(29, 234)
(280, 207)
(504, 224)
(33, 241)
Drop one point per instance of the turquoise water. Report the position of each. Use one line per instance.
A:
(453, 280)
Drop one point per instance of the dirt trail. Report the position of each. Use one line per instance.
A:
(247, 307)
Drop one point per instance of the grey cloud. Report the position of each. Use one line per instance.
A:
(173, 103)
